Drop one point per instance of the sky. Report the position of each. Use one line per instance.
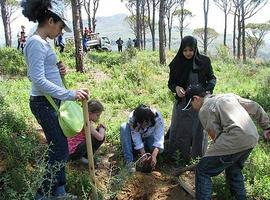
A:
(216, 18)
(112, 7)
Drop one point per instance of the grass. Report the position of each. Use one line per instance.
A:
(120, 82)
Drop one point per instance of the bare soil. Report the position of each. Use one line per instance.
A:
(157, 185)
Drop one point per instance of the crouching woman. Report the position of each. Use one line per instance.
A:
(144, 133)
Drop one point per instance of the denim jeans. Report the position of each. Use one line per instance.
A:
(214, 165)
(58, 146)
(127, 143)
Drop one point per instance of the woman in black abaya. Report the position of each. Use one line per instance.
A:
(188, 67)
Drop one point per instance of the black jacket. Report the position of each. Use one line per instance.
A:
(180, 68)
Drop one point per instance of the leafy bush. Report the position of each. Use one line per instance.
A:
(223, 53)
(19, 147)
(107, 58)
(12, 62)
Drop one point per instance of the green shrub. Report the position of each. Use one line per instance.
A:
(107, 58)
(19, 147)
(223, 53)
(12, 62)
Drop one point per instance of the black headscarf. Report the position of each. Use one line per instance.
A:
(180, 66)
(180, 60)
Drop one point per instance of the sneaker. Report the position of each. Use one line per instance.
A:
(84, 161)
(131, 167)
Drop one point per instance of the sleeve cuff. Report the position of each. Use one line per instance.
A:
(140, 146)
(72, 95)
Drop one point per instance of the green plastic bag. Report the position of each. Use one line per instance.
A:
(70, 116)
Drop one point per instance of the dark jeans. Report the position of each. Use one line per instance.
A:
(119, 48)
(81, 150)
(61, 48)
(58, 146)
(214, 165)
(19, 45)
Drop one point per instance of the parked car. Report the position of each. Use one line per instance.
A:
(95, 41)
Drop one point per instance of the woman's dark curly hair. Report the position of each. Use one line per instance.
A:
(37, 11)
(143, 113)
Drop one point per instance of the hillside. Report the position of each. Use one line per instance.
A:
(120, 82)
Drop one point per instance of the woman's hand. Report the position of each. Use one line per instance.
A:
(180, 91)
(154, 157)
(81, 94)
(62, 68)
(153, 161)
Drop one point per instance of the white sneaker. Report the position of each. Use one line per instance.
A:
(84, 161)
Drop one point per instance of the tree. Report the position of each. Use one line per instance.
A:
(248, 9)
(243, 10)
(8, 7)
(182, 15)
(143, 23)
(87, 8)
(131, 20)
(205, 11)
(211, 35)
(161, 26)
(91, 19)
(95, 8)
(236, 16)
(255, 36)
(152, 5)
(80, 16)
(170, 8)
(225, 6)
(77, 35)
(138, 25)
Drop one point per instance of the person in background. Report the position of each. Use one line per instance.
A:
(227, 120)
(188, 67)
(119, 43)
(77, 144)
(45, 71)
(61, 42)
(136, 43)
(22, 40)
(129, 43)
(86, 31)
(85, 39)
(19, 36)
(145, 131)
